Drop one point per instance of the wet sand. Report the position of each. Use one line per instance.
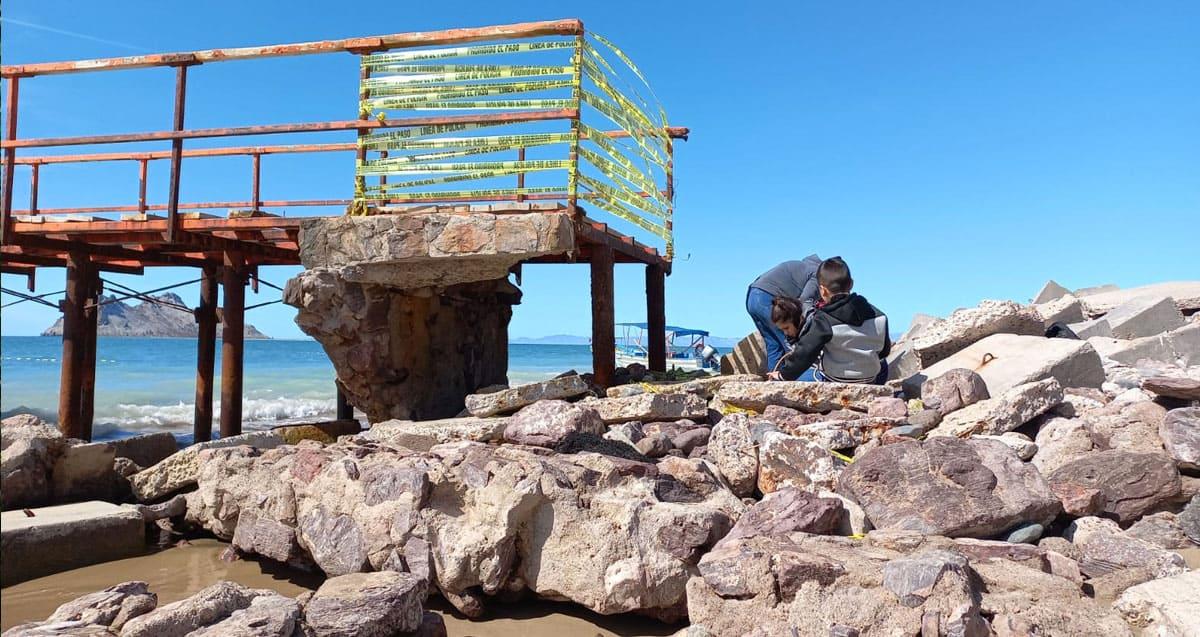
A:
(179, 572)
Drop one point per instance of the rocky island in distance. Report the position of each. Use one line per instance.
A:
(147, 319)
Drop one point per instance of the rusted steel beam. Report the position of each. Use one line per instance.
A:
(29, 242)
(71, 372)
(206, 351)
(176, 153)
(87, 386)
(604, 349)
(33, 189)
(142, 170)
(656, 318)
(10, 154)
(157, 225)
(208, 242)
(203, 205)
(232, 345)
(12, 257)
(194, 152)
(256, 168)
(27, 271)
(306, 127)
(379, 42)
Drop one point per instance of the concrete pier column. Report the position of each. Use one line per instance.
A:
(604, 346)
(206, 353)
(656, 317)
(232, 346)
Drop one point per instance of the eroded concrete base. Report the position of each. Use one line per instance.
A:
(64, 537)
(413, 309)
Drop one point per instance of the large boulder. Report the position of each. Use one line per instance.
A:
(424, 434)
(1180, 433)
(791, 461)
(953, 390)
(1168, 606)
(943, 338)
(207, 607)
(1186, 295)
(1178, 347)
(28, 450)
(732, 448)
(804, 396)
(1006, 412)
(948, 486)
(1004, 361)
(648, 407)
(367, 605)
(706, 388)
(179, 470)
(1066, 309)
(512, 399)
(1129, 426)
(547, 423)
(1183, 388)
(1063, 440)
(790, 509)
(1106, 548)
(111, 608)
(1144, 316)
(1133, 484)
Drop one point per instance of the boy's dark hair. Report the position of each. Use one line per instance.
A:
(787, 309)
(834, 274)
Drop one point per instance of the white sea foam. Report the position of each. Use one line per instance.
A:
(260, 411)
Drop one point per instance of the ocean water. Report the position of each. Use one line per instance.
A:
(148, 384)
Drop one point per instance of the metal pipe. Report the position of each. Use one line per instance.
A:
(10, 155)
(521, 175)
(176, 154)
(352, 45)
(33, 189)
(254, 193)
(232, 342)
(306, 127)
(142, 169)
(206, 351)
(70, 377)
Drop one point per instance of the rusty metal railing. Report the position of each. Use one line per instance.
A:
(610, 170)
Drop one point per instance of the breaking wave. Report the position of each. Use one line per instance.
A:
(263, 412)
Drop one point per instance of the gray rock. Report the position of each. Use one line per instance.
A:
(179, 470)
(29, 450)
(912, 579)
(1007, 360)
(1180, 433)
(1092, 327)
(510, 400)
(1006, 412)
(887, 408)
(547, 423)
(735, 453)
(803, 396)
(1049, 292)
(788, 510)
(948, 486)
(1061, 441)
(146, 450)
(1161, 529)
(1066, 309)
(84, 471)
(335, 541)
(690, 439)
(263, 536)
(367, 605)
(953, 390)
(1078, 500)
(1133, 483)
(1185, 293)
(1144, 316)
(1026, 534)
(112, 607)
(962, 328)
(268, 615)
(1189, 519)
(908, 431)
(655, 446)
(423, 435)
(925, 420)
(648, 407)
(1168, 606)
(1173, 387)
(1129, 426)
(1105, 548)
(1019, 443)
(791, 461)
(207, 607)
(1177, 347)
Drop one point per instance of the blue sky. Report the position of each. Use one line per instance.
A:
(949, 151)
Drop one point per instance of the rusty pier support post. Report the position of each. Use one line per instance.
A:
(656, 317)
(232, 345)
(345, 411)
(71, 377)
(91, 320)
(604, 346)
(173, 226)
(206, 353)
(10, 159)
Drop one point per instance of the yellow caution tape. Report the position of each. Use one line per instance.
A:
(841, 456)
(617, 210)
(467, 195)
(493, 73)
(612, 171)
(633, 110)
(621, 195)
(494, 105)
(376, 140)
(480, 174)
(727, 410)
(636, 131)
(401, 96)
(632, 67)
(526, 140)
(467, 166)
(378, 60)
(614, 149)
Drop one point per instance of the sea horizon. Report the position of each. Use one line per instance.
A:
(147, 384)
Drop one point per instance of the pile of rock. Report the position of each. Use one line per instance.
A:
(359, 605)
(1005, 483)
(42, 467)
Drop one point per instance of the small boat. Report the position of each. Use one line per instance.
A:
(686, 349)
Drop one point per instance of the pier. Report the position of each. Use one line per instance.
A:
(582, 128)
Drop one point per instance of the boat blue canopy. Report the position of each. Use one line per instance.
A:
(678, 331)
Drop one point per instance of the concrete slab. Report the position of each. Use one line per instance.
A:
(1064, 309)
(84, 471)
(64, 537)
(1144, 316)
(1007, 360)
(1177, 347)
(1185, 293)
(1049, 292)
(1094, 327)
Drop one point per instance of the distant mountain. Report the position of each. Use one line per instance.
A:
(554, 339)
(147, 319)
(719, 342)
